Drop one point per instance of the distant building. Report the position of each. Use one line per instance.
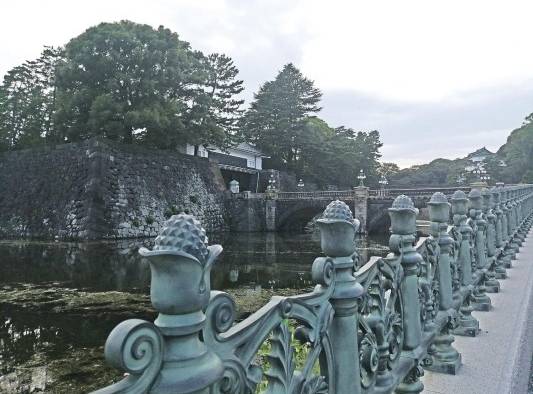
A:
(241, 163)
(480, 155)
(477, 159)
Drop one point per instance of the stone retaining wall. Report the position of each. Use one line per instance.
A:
(100, 190)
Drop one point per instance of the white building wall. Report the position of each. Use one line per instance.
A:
(253, 160)
(202, 152)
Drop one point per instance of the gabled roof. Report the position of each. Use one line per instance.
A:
(246, 147)
(242, 147)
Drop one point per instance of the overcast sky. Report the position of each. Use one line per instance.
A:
(436, 78)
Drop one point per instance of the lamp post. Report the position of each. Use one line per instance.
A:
(361, 177)
(484, 176)
(301, 183)
(477, 172)
(383, 182)
(271, 183)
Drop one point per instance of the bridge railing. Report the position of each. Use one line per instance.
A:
(414, 192)
(327, 195)
(347, 195)
(366, 327)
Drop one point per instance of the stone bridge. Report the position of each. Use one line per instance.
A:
(275, 211)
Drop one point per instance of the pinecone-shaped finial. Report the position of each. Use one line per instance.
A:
(438, 198)
(403, 202)
(183, 233)
(338, 210)
(459, 195)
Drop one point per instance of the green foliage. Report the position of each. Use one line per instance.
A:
(518, 154)
(276, 118)
(222, 86)
(388, 169)
(27, 101)
(280, 122)
(439, 172)
(126, 82)
(172, 210)
(129, 82)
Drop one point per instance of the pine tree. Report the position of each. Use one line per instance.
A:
(217, 104)
(27, 101)
(276, 118)
(223, 87)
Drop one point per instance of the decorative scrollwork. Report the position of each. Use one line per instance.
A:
(221, 311)
(368, 355)
(236, 380)
(282, 376)
(315, 385)
(381, 324)
(394, 329)
(428, 288)
(414, 374)
(134, 346)
(323, 272)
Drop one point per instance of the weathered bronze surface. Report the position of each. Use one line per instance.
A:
(367, 327)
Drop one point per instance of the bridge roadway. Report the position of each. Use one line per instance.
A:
(498, 360)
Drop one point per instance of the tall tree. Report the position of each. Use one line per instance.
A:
(131, 83)
(223, 87)
(27, 101)
(276, 118)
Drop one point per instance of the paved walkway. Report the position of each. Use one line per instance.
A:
(498, 360)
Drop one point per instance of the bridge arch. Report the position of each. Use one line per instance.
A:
(378, 215)
(295, 215)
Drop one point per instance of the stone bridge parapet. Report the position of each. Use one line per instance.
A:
(274, 210)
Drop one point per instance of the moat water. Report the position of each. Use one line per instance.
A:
(59, 301)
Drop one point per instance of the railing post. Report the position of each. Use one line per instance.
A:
(403, 227)
(467, 324)
(499, 270)
(439, 213)
(169, 356)
(337, 232)
(481, 300)
(491, 284)
(511, 248)
(444, 358)
(360, 206)
(506, 253)
(516, 220)
(522, 233)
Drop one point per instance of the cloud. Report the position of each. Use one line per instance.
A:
(437, 79)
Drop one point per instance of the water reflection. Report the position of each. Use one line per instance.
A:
(250, 261)
(251, 258)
